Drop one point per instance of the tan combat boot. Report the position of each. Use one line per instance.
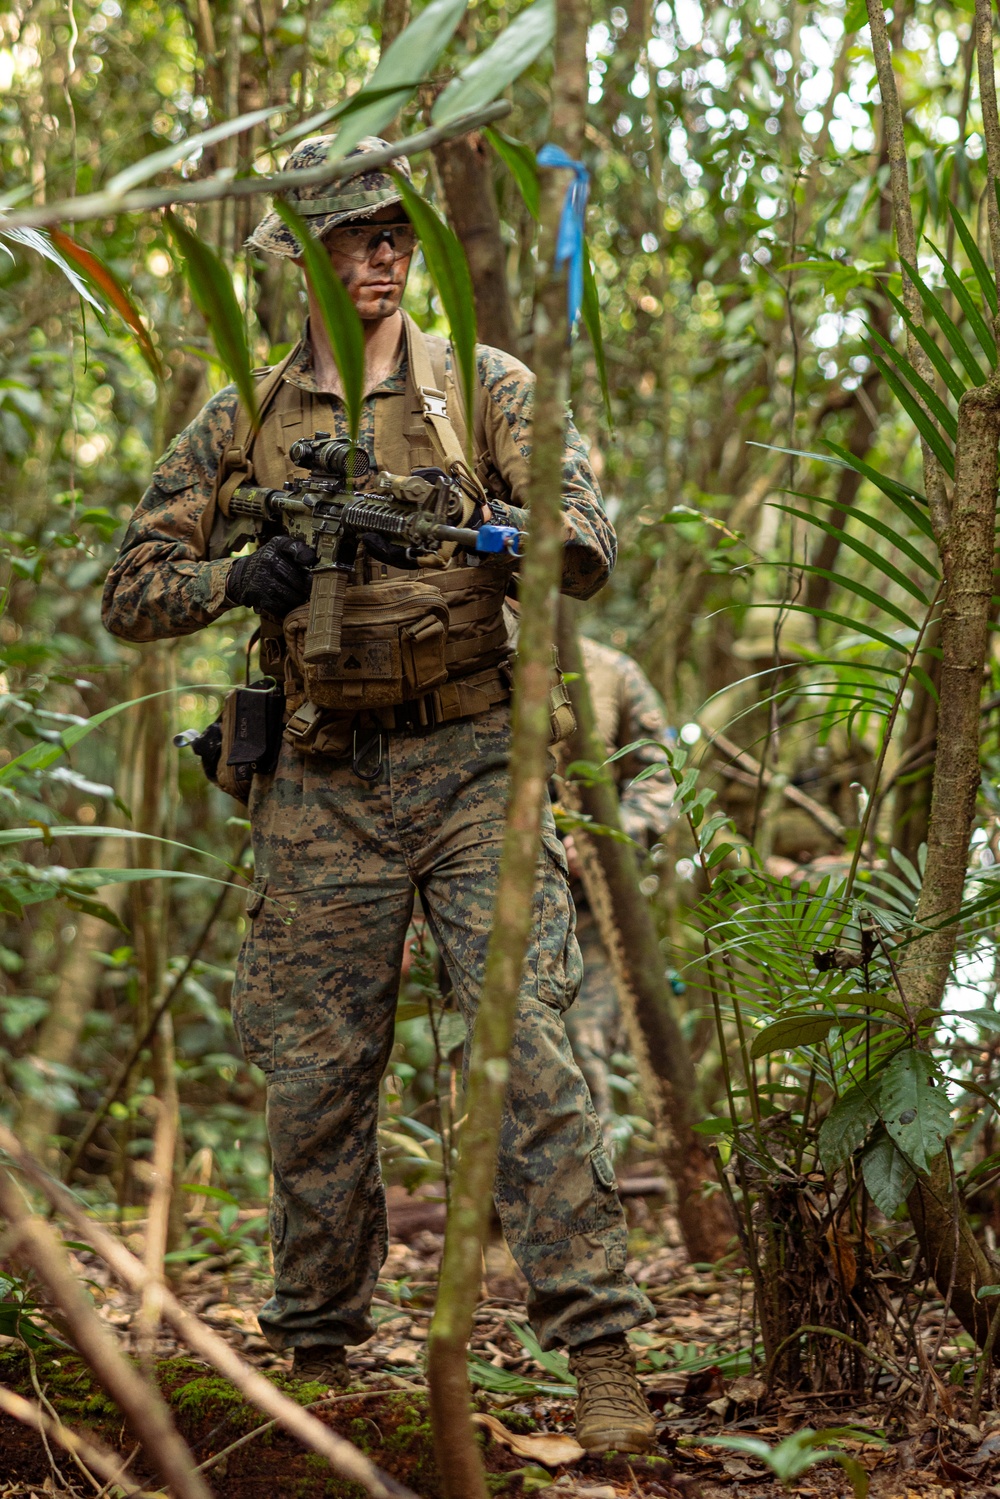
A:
(325, 1365)
(611, 1413)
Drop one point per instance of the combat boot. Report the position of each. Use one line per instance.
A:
(326, 1365)
(611, 1413)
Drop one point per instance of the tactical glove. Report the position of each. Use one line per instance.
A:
(274, 579)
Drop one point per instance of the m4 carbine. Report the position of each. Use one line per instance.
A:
(329, 511)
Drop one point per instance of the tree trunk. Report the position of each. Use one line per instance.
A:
(79, 979)
(455, 1445)
(625, 922)
(466, 174)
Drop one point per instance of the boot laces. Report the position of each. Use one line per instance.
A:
(607, 1380)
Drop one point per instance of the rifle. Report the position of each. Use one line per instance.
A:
(327, 510)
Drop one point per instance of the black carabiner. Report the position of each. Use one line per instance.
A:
(360, 755)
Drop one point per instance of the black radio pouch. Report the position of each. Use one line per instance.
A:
(252, 722)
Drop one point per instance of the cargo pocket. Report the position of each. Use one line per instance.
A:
(253, 1000)
(559, 971)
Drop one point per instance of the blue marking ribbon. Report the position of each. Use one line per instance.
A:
(569, 240)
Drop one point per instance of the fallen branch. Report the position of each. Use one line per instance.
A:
(108, 1464)
(212, 189)
(138, 1400)
(827, 820)
(342, 1456)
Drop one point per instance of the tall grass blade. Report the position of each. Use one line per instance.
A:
(449, 270)
(592, 321)
(987, 285)
(519, 160)
(936, 309)
(102, 276)
(340, 318)
(212, 289)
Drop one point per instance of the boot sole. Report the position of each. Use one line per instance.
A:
(620, 1439)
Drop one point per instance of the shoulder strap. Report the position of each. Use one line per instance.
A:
(432, 397)
(235, 465)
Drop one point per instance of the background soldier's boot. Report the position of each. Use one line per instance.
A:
(323, 1365)
(611, 1413)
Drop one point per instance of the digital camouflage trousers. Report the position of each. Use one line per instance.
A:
(337, 864)
(594, 1022)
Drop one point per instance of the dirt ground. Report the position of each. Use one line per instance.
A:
(694, 1365)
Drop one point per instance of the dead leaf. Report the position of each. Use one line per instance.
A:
(986, 1450)
(746, 1390)
(737, 1468)
(548, 1448)
(844, 1258)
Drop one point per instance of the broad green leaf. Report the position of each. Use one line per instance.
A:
(404, 65)
(960, 292)
(361, 100)
(916, 1110)
(449, 270)
(212, 288)
(984, 276)
(102, 276)
(937, 408)
(172, 156)
(520, 162)
(804, 1029)
(592, 321)
(39, 241)
(486, 77)
(918, 416)
(940, 361)
(848, 1124)
(888, 1174)
(340, 317)
(958, 343)
(844, 537)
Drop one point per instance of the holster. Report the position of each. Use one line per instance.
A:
(252, 719)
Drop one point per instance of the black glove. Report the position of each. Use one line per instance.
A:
(274, 579)
(208, 748)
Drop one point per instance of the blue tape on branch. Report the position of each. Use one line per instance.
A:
(569, 240)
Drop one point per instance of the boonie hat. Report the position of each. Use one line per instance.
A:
(327, 204)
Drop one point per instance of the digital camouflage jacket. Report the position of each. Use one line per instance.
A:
(163, 584)
(627, 709)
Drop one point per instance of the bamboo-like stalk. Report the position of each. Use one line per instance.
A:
(139, 1401)
(343, 1457)
(629, 936)
(991, 124)
(212, 189)
(455, 1441)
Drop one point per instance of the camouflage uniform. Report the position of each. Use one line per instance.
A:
(626, 708)
(337, 864)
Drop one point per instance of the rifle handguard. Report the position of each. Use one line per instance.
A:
(326, 611)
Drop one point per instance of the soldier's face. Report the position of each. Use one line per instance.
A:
(375, 284)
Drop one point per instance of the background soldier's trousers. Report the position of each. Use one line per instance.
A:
(314, 1000)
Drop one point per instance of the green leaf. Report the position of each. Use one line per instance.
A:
(879, 601)
(38, 240)
(340, 317)
(802, 1029)
(212, 288)
(172, 156)
(848, 1123)
(492, 71)
(592, 321)
(930, 180)
(893, 537)
(520, 162)
(900, 494)
(918, 416)
(888, 1174)
(917, 1113)
(844, 538)
(404, 65)
(939, 360)
(101, 275)
(856, 625)
(960, 292)
(936, 309)
(984, 276)
(449, 270)
(937, 408)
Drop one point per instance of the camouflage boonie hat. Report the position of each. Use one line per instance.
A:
(327, 204)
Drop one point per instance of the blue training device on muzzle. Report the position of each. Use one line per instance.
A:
(491, 539)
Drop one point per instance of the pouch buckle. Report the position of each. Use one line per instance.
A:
(434, 402)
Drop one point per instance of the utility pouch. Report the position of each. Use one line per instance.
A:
(562, 719)
(392, 647)
(252, 719)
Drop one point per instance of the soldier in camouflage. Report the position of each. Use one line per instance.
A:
(626, 710)
(339, 856)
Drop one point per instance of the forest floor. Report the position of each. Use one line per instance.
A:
(693, 1362)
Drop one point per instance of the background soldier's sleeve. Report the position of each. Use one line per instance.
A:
(590, 554)
(162, 584)
(646, 808)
